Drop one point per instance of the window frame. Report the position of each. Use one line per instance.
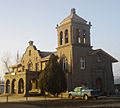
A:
(29, 52)
(61, 38)
(66, 36)
(65, 64)
(82, 62)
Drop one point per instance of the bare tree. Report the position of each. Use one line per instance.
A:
(6, 61)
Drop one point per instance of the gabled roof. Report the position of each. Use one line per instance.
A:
(105, 53)
(44, 54)
(73, 17)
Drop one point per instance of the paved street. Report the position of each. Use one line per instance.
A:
(41, 102)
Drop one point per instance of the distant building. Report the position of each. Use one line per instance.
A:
(82, 64)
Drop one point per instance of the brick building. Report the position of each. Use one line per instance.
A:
(83, 65)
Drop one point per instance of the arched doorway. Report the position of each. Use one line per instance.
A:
(21, 86)
(8, 86)
(99, 84)
(14, 86)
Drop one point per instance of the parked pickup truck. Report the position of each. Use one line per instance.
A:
(84, 93)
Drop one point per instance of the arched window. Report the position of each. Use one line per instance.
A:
(21, 86)
(8, 86)
(37, 66)
(79, 40)
(84, 40)
(66, 36)
(84, 36)
(29, 52)
(78, 34)
(65, 64)
(61, 38)
(14, 88)
(30, 66)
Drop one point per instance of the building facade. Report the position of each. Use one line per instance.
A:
(82, 64)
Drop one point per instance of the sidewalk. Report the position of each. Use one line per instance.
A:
(23, 99)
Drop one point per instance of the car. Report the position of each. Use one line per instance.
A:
(84, 93)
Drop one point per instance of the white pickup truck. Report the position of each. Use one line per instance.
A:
(83, 93)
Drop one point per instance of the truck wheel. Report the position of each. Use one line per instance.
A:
(86, 97)
(70, 96)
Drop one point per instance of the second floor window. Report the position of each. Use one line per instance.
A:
(30, 67)
(65, 64)
(82, 62)
(29, 52)
(37, 66)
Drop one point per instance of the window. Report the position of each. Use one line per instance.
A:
(23, 68)
(84, 36)
(29, 52)
(82, 63)
(79, 40)
(84, 32)
(84, 40)
(61, 38)
(66, 36)
(78, 34)
(30, 67)
(65, 63)
(98, 59)
(37, 66)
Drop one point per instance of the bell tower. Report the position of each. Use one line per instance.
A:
(73, 43)
(73, 30)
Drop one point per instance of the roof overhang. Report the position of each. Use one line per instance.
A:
(105, 53)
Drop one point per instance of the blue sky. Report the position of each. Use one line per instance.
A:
(24, 20)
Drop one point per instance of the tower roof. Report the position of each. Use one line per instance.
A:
(73, 17)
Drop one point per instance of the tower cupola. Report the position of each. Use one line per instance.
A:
(74, 30)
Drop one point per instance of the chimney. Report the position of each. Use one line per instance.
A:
(30, 43)
(73, 11)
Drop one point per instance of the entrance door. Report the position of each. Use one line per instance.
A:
(98, 84)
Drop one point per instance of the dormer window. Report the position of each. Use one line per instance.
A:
(66, 36)
(61, 38)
